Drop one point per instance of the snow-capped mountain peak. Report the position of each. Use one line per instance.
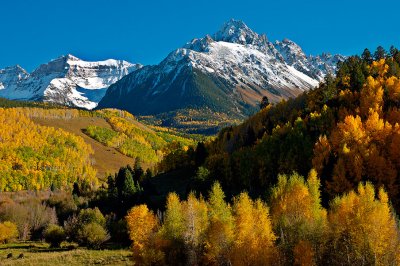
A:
(236, 31)
(11, 75)
(66, 80)
(229, 71)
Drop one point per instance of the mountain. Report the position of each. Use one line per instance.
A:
(227, 72)
(66, 80)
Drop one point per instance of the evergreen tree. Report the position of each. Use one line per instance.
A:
(380, 53)
(264, 102)
(200, 154)
(367, 56)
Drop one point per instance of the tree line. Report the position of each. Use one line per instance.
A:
(359, 228)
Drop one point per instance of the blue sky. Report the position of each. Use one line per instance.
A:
(33, 32)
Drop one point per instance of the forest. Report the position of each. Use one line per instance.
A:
(311, 180)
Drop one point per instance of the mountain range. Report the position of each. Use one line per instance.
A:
(66, 80)
(226, 72)
(229, 72)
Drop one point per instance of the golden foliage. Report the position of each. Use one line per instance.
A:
(8, 231)
(254, 239)
(363, 228)
(37, 157)
(143, 225)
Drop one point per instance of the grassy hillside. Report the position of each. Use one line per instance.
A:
(39, 254)
(116, 137)
(135, 139)
(105, 159)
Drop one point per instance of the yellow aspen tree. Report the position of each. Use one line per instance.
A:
(254, 238)
(173, 228)
(297, 214)
(143, 226)
(371, 97)
(393, 88)
(219, 235)
(363, 229)
(196, 224)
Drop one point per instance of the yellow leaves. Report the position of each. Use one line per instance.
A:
(367, 222)
(393, 87)
(196, 220)
(173, 226)
(143, 226)
(293, 201)
(322, 151)
(8, 231)
(254, 238)
(376, 127)
(297, 213)
(35, 157)
(346, 149)
(351, 130)
(380, 67)
(371, 96)
(346, 81)
(141, 217)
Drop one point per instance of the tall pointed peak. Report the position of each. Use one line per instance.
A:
(71, 57)
(236, 31)
(16, 69)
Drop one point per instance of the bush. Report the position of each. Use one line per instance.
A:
(88, 228)
(30, 216)
(92, 235)
(54, 235)
(8, 231)
(88, 216)
(64, 204)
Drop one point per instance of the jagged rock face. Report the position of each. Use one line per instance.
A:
(316, 67)
(65, 80)
(229, 71)
(10, 76)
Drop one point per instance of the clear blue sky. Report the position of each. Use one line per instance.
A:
(145, 31)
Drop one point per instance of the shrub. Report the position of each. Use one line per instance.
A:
(88, 228)
(54, 235)
(92, 235)
(30, 216)
(88, 216)
(64, 204)
(8, 231)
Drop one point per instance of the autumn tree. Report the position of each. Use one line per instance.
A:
(298, 217)
(143, 226)
(172, 230)
(219, 234)
(34, 157)
(362, 151)
(363, 229)
(8, 231)
(195, 226)
(253, 238)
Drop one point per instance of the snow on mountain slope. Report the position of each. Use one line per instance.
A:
(66, 80)
(10, 76)
(229, 71)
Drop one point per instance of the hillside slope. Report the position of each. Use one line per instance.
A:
(105, 159)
